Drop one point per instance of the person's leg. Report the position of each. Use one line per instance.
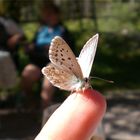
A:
(47, 93)
(30, 76)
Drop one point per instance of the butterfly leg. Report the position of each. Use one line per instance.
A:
(90, 87)
(72, 91)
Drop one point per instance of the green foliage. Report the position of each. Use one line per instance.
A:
(117, 59)
(118, 52)
(117, 16)
(30, 30)
(117, 56)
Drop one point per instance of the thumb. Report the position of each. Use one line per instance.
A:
(76, 118)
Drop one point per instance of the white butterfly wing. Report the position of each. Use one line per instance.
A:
(87, 55)
(63, 79)
(62, 56)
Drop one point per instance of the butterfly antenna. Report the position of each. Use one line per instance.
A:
(94, 77)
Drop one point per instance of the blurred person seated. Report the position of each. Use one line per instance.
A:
(10, 37)
(50, 27)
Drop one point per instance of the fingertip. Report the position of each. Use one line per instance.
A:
(76, 118)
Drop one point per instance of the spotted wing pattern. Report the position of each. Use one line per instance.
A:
(63, 79)
(62, 56)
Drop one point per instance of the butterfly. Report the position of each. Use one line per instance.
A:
(65, 70)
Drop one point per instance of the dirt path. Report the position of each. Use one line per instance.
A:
(122, 120)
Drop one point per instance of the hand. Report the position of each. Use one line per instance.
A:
(14, 40)
(76, 118)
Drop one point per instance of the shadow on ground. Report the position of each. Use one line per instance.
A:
(19, 125)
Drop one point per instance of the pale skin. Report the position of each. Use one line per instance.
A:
(76, 119)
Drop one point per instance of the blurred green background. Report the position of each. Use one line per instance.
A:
(117, 23)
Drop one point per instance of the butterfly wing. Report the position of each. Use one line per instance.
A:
(61, 78)
(62, 56)
(87, 55)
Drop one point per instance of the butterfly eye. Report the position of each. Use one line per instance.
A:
(86, 80)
